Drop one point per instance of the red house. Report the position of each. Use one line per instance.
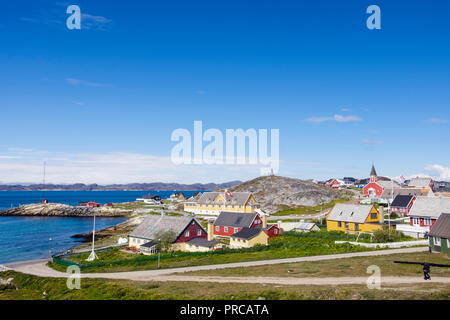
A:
(90, 204)
(426, 210)
(185, 228)
(229, 223)
(402, 204)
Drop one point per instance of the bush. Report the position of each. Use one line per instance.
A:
(383, 236)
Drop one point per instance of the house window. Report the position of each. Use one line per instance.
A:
(416, 221)
(373, 216)
(437, 241)
(225, 229)
(236, 230)
(275, 231)
(346, 225)
(356, 226)
(217, 228)
(339, 224)
(199, 232)
(186, 234)
(427, 222)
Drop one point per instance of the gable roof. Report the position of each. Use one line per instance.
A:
(430, 206)
(388, 184)
(417, 192)
(441, 228)
(152, 224)
(402, 201)
(356, 213)
(238, 198)
(235, 219)
(247, 233)
(420, 182)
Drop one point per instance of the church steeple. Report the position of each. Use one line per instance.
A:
(373, 172)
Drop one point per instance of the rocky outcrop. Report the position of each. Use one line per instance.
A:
(63, 210)
(121, 229)
(274, 193)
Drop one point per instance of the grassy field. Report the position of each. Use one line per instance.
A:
(36, 288)
(304, 210)
(341, 267)
(284, 246)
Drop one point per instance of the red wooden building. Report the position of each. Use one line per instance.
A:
(229, 223)
(377, 185)
(402, 204)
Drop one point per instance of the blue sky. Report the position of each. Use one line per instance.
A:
(99, 104)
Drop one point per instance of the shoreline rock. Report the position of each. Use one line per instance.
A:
(63, 210)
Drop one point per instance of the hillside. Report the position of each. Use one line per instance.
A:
(274, 193)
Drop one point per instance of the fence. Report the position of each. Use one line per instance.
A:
(388, 244)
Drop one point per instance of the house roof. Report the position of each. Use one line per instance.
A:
(417, 192)
(430, 206)
(442, 227)
(247, 233)
(153, 224)
(387, 184)
(420, 182)
(238, 198)
(202, 242)
(402, 201)
(356, 213)
(235, 219)
(149, 244)
(288, 226)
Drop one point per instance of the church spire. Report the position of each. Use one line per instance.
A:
(373, 172)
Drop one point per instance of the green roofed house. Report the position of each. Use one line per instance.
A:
(439, 236)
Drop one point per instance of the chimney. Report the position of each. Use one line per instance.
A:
(381, 212)
(264, 219)
(210, 231)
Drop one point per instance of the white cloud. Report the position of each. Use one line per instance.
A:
(89, 21)
(436, 120)
(336, 118)
(76, 82)
(443, 172)
(368, 141)
(110, 168)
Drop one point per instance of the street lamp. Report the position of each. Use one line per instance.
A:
(50, 248)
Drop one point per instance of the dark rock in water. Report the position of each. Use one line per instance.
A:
(63, 210)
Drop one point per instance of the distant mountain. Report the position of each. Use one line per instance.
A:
(154, 186)
(276, 193)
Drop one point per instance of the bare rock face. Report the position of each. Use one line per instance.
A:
(63, 210)
(274, 193)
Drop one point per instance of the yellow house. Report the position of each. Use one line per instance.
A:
(212, 203)
(248, 237)
(354, 218)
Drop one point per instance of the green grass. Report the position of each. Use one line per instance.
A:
(33, 288)
(287, 245)
(305, 210)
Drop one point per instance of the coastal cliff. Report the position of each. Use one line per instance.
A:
(63, 210)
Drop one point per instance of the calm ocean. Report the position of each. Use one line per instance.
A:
(27, 238)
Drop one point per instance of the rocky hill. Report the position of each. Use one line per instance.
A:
(63, 210)
(275, 193)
